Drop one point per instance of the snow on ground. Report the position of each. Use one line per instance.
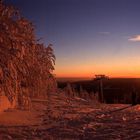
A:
(71, 119)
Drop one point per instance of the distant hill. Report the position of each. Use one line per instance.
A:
(71, 79)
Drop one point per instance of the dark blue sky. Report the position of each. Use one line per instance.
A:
(89, 36)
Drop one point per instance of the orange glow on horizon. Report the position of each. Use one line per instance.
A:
(91, 76)
(121, 67)
(127, 72)
(76, 74)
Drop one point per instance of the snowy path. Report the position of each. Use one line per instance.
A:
(79, 120)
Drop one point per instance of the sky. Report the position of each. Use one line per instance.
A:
(89, 36)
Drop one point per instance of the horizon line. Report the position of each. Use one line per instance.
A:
(93, 77)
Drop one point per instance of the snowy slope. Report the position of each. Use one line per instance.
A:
(65, 118)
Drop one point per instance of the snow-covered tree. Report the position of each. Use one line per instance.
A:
(25, 64)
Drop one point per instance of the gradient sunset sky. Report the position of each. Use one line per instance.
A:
(88, 36)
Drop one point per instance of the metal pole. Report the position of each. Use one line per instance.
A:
(101, 90)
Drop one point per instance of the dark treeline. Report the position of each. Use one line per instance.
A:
(115, 90)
